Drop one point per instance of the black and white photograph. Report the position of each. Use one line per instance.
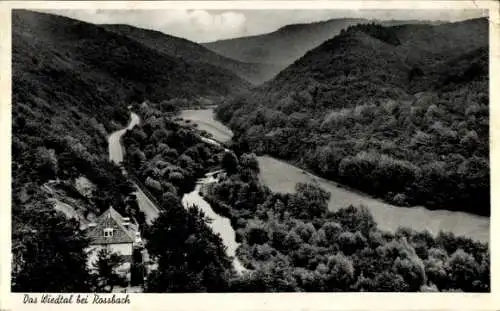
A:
(250, 150)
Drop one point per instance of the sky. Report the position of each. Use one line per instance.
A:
(210, 25)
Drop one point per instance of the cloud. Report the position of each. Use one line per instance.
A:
(196, 25)
(215, 26)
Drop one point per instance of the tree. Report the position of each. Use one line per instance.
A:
(304, 230)
(351, 242)
(230, 162)
(305, 256)
(153, 184)
(462, 270)
(107, 276)
(191, 258)
(387, 281)
(435, 267)
(341, 273)
(257, 233)
(49, 251)
(274, 276)
(309, 281)
(331, 231)
(292, 241)
(311, 201)
(412, 270)
(355, 219)
(250, 161)
(45, 163)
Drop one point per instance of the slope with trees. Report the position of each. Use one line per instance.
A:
(291, 242)
(194, 53)
(382, 111)
(268, 48)
(71, 84)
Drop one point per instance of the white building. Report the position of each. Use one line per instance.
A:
(115, 233)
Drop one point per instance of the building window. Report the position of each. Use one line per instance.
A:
(108, 232)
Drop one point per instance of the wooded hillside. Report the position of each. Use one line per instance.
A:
(399, 112)
(71, 84)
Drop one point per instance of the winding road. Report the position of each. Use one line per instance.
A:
(116, 155)
(115, 147)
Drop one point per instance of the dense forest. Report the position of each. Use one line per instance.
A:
(398, 112)
(291, 242)
(164, 155)
(167, 159)
(71, 85)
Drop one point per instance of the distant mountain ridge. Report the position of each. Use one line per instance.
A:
(282, 46)
(356, 51)
(192, 52)
(287, 44)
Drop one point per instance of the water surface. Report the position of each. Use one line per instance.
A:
(219, 224)
(280, 176)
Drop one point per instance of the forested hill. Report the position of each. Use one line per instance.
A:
(387, 55)
(287, 44)
(399, 112)
(282, 46)
(194, 53)
(73, 78)
(71, 84)
(112, 60)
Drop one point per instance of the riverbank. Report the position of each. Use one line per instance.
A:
(219, 224)
(388, 217)
(280, 176)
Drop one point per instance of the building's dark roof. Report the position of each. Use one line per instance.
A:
(111, 219)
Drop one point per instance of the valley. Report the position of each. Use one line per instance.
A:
(354, 160)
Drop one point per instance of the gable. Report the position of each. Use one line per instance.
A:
(111, 221)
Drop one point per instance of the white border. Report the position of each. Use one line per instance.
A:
(268, 301)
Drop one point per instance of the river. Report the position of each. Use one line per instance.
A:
(219, 224)
(280, 176)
